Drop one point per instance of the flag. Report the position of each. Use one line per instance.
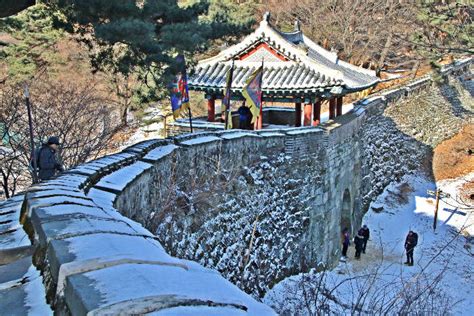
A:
(227, 95)
(252, 92)
(229, 120)
(179, 94)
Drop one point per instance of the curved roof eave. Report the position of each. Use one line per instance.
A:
(315, 57)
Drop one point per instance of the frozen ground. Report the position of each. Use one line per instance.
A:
(444, 260)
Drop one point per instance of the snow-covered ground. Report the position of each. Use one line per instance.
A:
(444, 259)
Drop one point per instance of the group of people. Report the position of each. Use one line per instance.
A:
(362, 237)
(360, 241)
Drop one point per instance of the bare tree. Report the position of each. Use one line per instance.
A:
(363, 32)
(378, 34)
(75, 114)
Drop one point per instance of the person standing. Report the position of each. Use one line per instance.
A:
(345, 242)
(358, 242)
(47, 161)
(366, 235)
(243, 116)
(410, 243)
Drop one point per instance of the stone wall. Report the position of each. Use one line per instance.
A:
(93, 260)
(204, 196)
(403, 126)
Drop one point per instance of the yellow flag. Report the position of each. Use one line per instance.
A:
(229, 120)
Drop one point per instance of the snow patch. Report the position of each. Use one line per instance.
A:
(160, 152)
(119, 179)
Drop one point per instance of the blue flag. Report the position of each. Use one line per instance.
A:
(179, 94)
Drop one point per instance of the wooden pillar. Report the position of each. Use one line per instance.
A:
(308, 109)
(211, 109)
(339, 106)
(316, 113)
(332, 108)
(297, 114)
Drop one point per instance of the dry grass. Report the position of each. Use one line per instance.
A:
(467, 193)
(451, 158)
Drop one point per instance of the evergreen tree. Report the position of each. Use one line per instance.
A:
(445, 27)
(143, 37)
(29, 50)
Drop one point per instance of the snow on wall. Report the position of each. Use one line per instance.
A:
(403, 126)
(80, 234)
(206, 208)
(205, 196)
(202, 194)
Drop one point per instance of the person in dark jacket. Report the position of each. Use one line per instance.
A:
(345, 241)
(47, 162)
(358, 242)
(244, 114)
(410, 243)
(366, 235)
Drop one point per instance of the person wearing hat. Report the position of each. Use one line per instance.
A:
(47, 162)
(410, 243)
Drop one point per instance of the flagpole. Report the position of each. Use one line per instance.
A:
(227, 106)
(260, 119)
(189, 107)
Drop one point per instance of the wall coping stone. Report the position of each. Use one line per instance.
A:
(79, 204)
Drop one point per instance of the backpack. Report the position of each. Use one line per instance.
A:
(35, 158)
(415, 239)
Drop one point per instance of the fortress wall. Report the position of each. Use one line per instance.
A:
(101, 226)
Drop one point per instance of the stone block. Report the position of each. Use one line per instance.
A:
(118, 180)
(60, 211)
(71, 225)
(14, 270)
(159, 153)
(26, 295)
(96, 251)
(51, 191)
(144, 146)
(32, 203)
(144, 288)
(200, 141)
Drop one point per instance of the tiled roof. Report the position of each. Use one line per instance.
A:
(295, 64)
(289, 76)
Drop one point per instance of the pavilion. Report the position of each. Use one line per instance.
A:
(296, 70)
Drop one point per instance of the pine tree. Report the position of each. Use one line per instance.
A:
(143, 37)
(444, 28)
(29, 51)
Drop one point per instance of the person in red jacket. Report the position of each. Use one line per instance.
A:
(345, 241)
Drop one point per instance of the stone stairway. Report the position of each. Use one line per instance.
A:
(294, 146)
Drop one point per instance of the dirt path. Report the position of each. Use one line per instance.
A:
(373, 255)
(455, 157)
